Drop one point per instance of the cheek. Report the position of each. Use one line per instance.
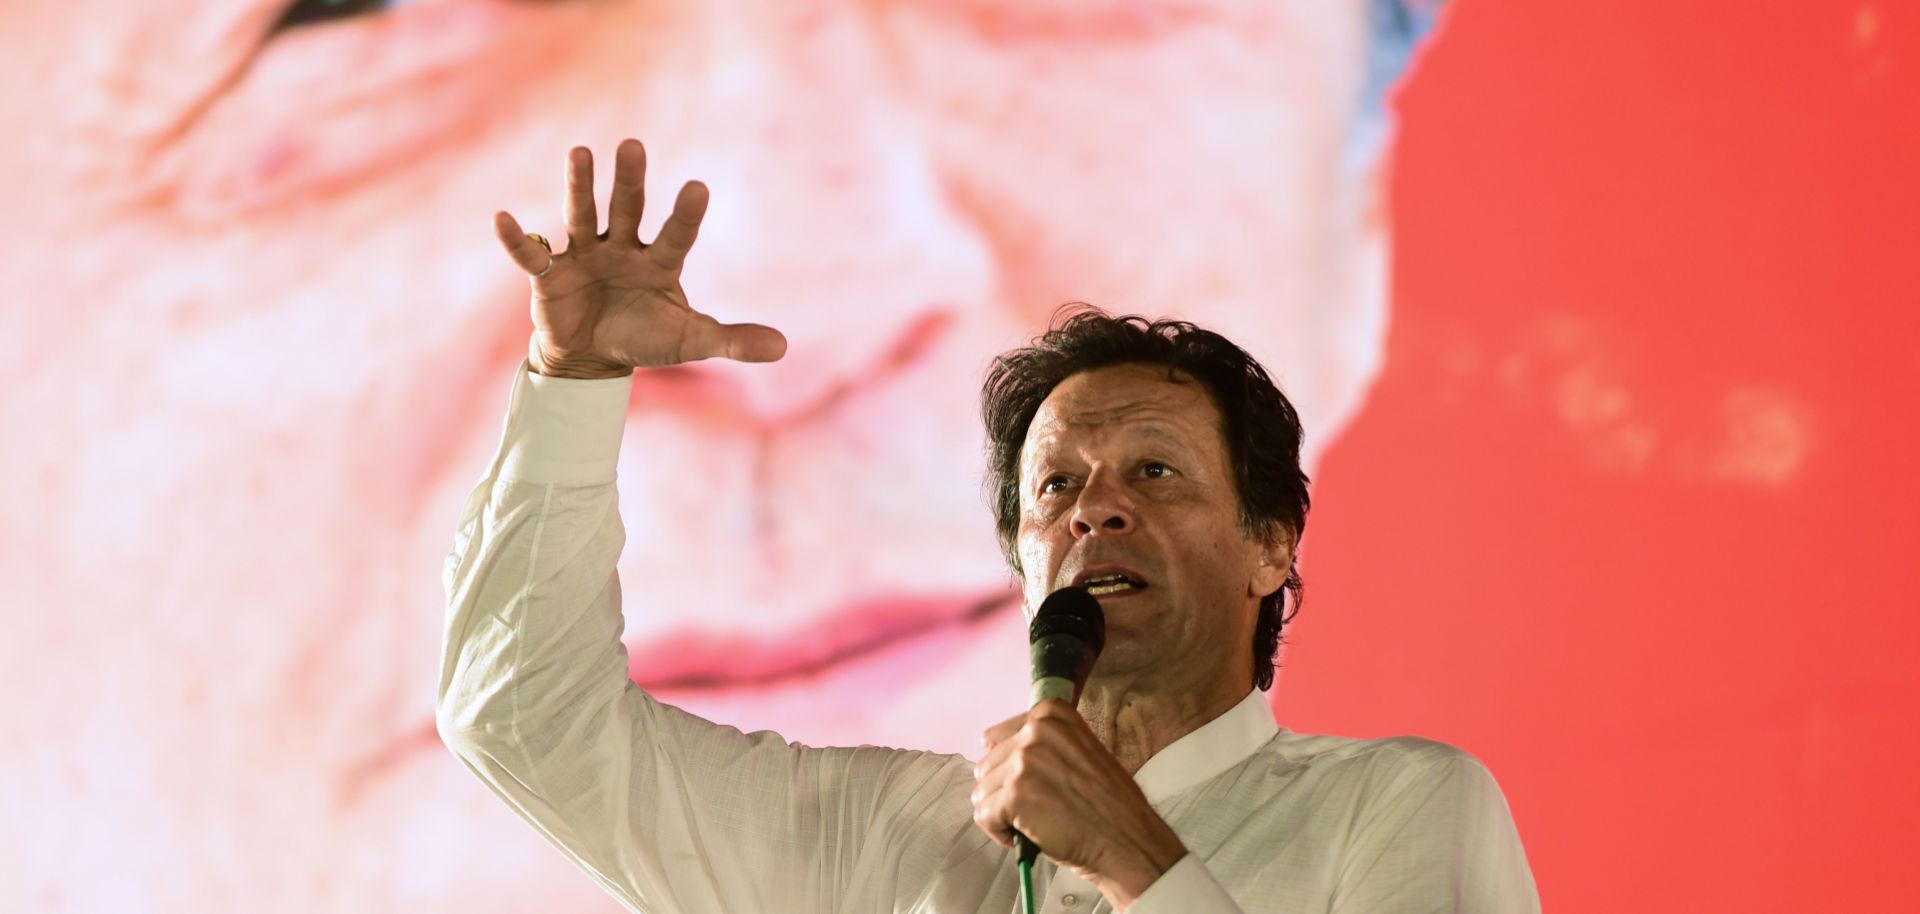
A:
(1033, 553)
(1223, 554)
(1039, 555)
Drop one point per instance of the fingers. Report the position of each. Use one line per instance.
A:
(1051, 708)
(1045, 736)
(998, 765)
(527, 253)
(629, 192)
(753, 343)
(739, 342)
(583, 222)
(1003, 787)
(995, 757)
(1025, 777)
(992, 800)
(993, 814)
(998, 733)
(670, 249)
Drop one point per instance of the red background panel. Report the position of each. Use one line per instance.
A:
(1631, 512)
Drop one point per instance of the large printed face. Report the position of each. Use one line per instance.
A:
(262, 339)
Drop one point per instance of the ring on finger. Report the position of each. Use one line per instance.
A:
(545, 269)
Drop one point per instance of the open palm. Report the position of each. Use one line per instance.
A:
(610, 303)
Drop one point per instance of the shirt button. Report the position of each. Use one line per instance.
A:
(1070, 900)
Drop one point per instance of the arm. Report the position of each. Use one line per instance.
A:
(666, 811)
(1440, 839)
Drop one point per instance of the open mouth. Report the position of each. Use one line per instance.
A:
(1103, 585)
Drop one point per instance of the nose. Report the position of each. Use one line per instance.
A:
(828, 219)
(1103, 507)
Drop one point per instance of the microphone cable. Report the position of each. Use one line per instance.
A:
(1026, 884)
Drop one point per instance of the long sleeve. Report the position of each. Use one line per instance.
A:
(1440, 840)
(669, 812)
(1187, 887)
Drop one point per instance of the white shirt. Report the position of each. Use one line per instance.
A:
(672, 813)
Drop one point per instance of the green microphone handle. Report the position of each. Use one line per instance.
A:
(1044, 688)
(1064, 639)
(1047, 687)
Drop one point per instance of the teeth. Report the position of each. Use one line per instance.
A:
(1104, 589)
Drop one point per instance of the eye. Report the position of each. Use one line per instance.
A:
(1049, 486)
(307, 12)
(1154, 469)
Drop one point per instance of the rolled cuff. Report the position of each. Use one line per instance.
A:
(1187, 887)
(564, 431)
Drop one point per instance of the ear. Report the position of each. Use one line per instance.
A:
(1272, 564)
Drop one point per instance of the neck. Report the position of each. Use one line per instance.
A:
(1135, 722)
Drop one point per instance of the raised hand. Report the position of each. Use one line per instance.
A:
(609, 303)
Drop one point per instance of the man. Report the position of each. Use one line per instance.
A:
(1154, 463)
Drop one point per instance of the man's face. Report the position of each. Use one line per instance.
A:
(1125, 471)
(264, 339)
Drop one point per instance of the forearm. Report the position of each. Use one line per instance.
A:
(533, 694)
(530, 638)
(533, 556)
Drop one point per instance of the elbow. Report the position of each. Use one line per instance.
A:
(463, 726)
(454, 733)
(474, 708)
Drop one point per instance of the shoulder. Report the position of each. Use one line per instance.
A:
(1388, 751)
(1377, 787)
(1376, 765)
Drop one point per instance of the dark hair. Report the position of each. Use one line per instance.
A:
(1261, 428)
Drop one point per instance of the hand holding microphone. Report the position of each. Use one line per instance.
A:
(1063, 641)
(1046, 777)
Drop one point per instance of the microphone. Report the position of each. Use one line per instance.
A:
(1064, 640)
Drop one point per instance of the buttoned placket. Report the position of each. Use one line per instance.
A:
(1067, 893)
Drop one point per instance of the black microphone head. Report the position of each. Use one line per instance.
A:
(1071, 611)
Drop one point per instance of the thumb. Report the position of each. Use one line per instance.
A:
(741, 342)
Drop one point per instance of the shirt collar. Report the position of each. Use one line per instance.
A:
(1215, 746)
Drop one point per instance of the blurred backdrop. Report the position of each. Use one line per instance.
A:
(1602, 319)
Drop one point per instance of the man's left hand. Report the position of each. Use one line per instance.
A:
(1047, 775)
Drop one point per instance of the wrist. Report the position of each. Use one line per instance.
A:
(1133, 871)
(581, 374)
(581, 369)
